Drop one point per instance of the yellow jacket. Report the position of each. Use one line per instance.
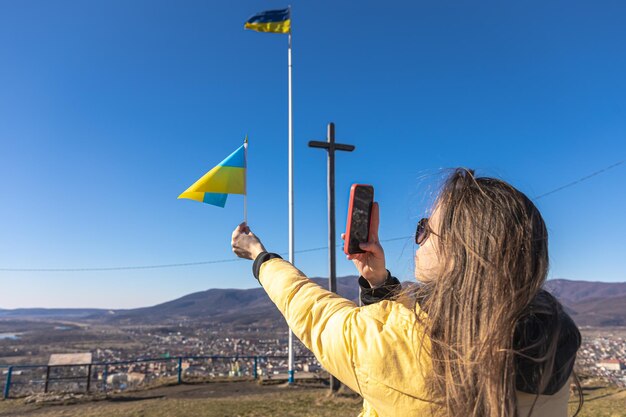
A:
(374, 350)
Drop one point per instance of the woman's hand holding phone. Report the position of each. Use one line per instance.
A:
(371, 264)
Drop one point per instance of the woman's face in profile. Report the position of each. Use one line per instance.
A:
(427, 265)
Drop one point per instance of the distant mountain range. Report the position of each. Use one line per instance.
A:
(243, 307)
(595, 304)
(53, 313)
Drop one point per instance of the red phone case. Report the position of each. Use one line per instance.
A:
(346, 242)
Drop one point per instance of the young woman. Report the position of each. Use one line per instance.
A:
(478, 337)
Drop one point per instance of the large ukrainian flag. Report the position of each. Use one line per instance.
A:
(229, 177)
(273, 21)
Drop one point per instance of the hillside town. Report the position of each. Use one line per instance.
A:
(157, 353)
(220, 351)
(603, 357)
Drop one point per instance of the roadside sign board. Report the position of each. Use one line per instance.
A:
(61, 359)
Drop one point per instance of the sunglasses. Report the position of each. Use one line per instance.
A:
(422, 232)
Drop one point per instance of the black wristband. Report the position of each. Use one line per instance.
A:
(387, 290)
(262, 257)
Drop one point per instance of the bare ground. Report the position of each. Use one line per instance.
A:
(206, 399)
(249, 399)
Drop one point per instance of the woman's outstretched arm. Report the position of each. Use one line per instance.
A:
(322, 320)
(358, 345)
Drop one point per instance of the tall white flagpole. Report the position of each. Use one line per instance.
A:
(291, 237)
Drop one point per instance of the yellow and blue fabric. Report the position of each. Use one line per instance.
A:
(229, 177)
(272, 21)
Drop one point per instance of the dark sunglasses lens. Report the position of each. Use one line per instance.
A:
(421, 233)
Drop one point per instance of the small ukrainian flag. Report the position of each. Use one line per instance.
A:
(273, 21)
(228, 177)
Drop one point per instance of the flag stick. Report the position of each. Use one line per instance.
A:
(245, 190)
(291, 237)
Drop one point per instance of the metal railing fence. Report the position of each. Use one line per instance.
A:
(23, 380)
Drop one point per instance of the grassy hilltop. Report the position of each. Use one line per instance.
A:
(250, 399)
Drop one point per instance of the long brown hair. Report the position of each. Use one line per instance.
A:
(493, 252)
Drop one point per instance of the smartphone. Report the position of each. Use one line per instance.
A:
(359, 216)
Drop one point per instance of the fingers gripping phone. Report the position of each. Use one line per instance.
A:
(359, 217)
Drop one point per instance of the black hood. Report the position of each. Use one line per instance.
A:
(542, 327)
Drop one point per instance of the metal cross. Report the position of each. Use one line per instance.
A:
(331, 147)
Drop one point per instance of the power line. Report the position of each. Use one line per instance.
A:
(163, 266)
(578, 181)
(219, 261)
(119, 268)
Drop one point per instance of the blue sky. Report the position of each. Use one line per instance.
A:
(110, 109)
